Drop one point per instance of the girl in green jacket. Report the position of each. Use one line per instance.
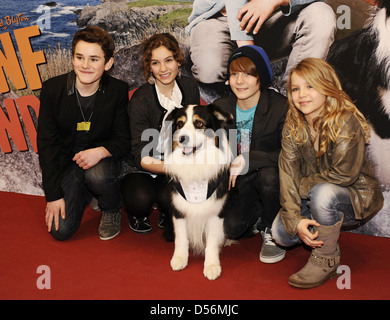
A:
(325, 180)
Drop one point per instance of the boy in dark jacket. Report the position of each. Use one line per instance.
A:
(259, 115)
(83, 131)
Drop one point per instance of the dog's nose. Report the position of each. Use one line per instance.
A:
(183, 139)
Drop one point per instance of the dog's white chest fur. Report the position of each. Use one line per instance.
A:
(200, 211)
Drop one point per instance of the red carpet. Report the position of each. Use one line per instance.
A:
(136, 267)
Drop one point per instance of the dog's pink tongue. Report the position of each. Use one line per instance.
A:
(187, 149)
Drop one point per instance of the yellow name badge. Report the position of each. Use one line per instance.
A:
(83, 126)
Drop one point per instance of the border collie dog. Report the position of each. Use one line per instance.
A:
(197, 161)
(362, 62)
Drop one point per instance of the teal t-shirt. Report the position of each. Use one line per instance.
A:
(244, 123)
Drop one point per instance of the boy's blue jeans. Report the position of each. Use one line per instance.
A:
(80, 185)
(326, 202)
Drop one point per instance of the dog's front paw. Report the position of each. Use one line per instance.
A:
(212, 272)
(178, 263)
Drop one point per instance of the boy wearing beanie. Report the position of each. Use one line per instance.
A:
(259, 114)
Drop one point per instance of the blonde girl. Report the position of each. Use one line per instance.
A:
(325, 179)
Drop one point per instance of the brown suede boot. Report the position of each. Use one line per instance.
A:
(323, 262)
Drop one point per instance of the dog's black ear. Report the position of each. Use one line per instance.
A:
(172, 115)
(169, 120)
(222, 115)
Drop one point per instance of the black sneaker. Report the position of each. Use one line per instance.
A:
(140, 225)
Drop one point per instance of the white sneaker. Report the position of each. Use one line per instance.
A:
(95, 204)
(270, 252)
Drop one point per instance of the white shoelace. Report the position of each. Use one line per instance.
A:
(267, 238)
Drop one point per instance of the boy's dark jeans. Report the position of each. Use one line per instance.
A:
(80, 185)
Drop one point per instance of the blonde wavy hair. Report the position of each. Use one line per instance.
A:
(322, 77)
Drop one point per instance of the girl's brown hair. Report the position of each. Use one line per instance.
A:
(156, 41)
(322, 77)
